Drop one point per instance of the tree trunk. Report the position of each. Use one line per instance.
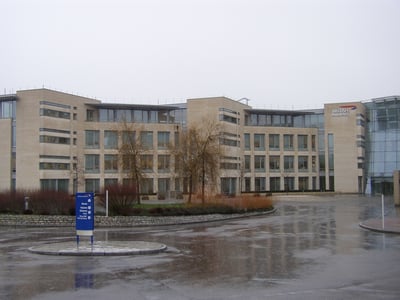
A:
(137, 190)
(190, 189)
(203, 182)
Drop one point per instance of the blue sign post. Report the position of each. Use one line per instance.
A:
(84, 212)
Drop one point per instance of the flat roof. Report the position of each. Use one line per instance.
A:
(9, 97)
(134, 106)
(284, 112)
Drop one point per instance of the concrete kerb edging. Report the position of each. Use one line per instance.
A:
(378, 229)
(374, 226)
(112, 222)
(110, 248)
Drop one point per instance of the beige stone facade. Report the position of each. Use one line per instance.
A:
(345, 123)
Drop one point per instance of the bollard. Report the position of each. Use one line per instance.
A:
(26, 203)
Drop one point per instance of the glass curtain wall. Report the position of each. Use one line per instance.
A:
(383, 144)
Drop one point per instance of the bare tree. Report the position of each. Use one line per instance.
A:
(77, 173)
(130, 151)
(197, 155)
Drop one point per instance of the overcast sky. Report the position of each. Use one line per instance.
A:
(285, 54)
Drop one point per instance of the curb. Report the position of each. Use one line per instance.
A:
(111, 248)
(120, 221)
(392, 225)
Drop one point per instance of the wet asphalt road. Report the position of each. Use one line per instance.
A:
(311, 248)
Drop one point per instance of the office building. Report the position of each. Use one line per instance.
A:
(55, 140)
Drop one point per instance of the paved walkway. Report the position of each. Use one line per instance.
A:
(391, 225)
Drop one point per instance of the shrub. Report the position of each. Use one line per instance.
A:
(240, 203)
(51, 202)
(121, 199)
(40, 202)
(12, 202)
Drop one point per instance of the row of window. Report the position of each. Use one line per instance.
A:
(110, 140)
(163, 184)
(54, 113)
(93, 185)
(303, 184)
(111, 163)
(284, 120)
(137, 115)
(259, 142)
(289, 162)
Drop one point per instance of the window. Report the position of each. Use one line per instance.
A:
(331, 158)
(53, 166)
(163, 185)
(274, 142)
(106, 115)
(110, 163)
(247, 182)
(128, 137)
(7, 109)
(110, 139)
(288, 163)
(259, 163)
(303, 163)
(275, 184)
(163, 140)
(163, 163)
(92, 138)
(92, 163)
(303, 183)
(289, 183)
(146, 138)
(247, 141)
(138, 116)
(259, 141)
(89, 115)
(54, 130)
(259, 183)
(146, 186)
(128, 162)
(92, 185)
(178, 185)
(110, 182)
(54, 185)
(163, 116)
(146, 162)
(55, 139)
(314, 163)
(247, 162)
(176, 138)
(288, 142)
(128, 182)
(274, 163)
(124, 115)
(226, 118)
(302, 141)
(54, 113)
(313, 143)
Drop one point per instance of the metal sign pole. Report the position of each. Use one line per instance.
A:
(383, 211)
(106, 203)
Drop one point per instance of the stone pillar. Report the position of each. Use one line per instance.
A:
(396, 187)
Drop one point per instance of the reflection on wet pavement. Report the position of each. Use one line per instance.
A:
(307, 250)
